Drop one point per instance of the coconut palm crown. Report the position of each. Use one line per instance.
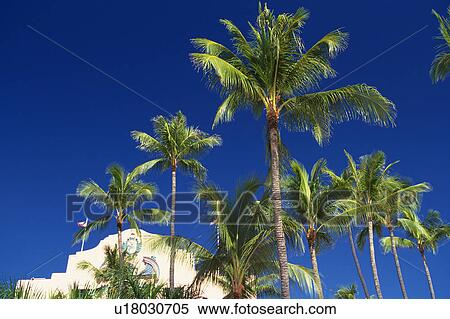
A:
(176, 145)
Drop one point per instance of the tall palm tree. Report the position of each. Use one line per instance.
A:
(368, 191)
(376, 198)
(343, 185)
(270, 72)
(314, 205)
(397, 204)
(121, 200)
(423, 235)
(440, 67)
(243, 260)
(176, 146)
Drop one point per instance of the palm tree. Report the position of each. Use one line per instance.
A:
(346, 292)
(440, 67)
(272, 73)
(176, 146)
(368, 190)
(243, 260)
(423, 235)
(376, 199)
(343, 184)
(125, 191)
(314, 205)
(398, 203)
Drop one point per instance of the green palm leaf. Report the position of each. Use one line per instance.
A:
(440, 68)
(316, 112)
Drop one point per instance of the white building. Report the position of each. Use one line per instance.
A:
(151, 262)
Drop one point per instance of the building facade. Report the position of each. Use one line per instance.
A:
(151, 263)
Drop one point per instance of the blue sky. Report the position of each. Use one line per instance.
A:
(63, 121)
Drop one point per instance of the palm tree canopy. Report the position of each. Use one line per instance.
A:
(122, 199)
(314, 202)
(346, 292)
(369, 191)
(426, 233)
(440, 67)
(175, 144)
(374, 193)
(243, 256)
(271, 71)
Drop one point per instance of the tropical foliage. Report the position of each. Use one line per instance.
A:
(117, 278)
(271, 72)
(440, 67)
(375, 198)
(120, 200)
(423, 235)
(346, 292)
(12, 289)
(175, 145)
(314, 208)
(241, 258)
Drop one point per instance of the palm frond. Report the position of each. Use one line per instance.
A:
(316, 112)
(303, 277)
(193, 166)
(146, 142)
(440, 67)
(191, 248)
(145, 167)
(417, 230)
(230, 77)
(152, 215)
(314, 65)
(386, 244)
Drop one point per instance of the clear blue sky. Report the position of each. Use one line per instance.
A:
(63, 121)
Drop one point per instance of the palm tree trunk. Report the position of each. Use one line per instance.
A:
(172, 230)
(119, 240)
(373, 261)
(237, 290)
(427, 273)
(397, 263)
(358, 266)
(315, 266)
(272, 125)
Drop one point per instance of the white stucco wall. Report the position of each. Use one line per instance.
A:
(184, 271)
